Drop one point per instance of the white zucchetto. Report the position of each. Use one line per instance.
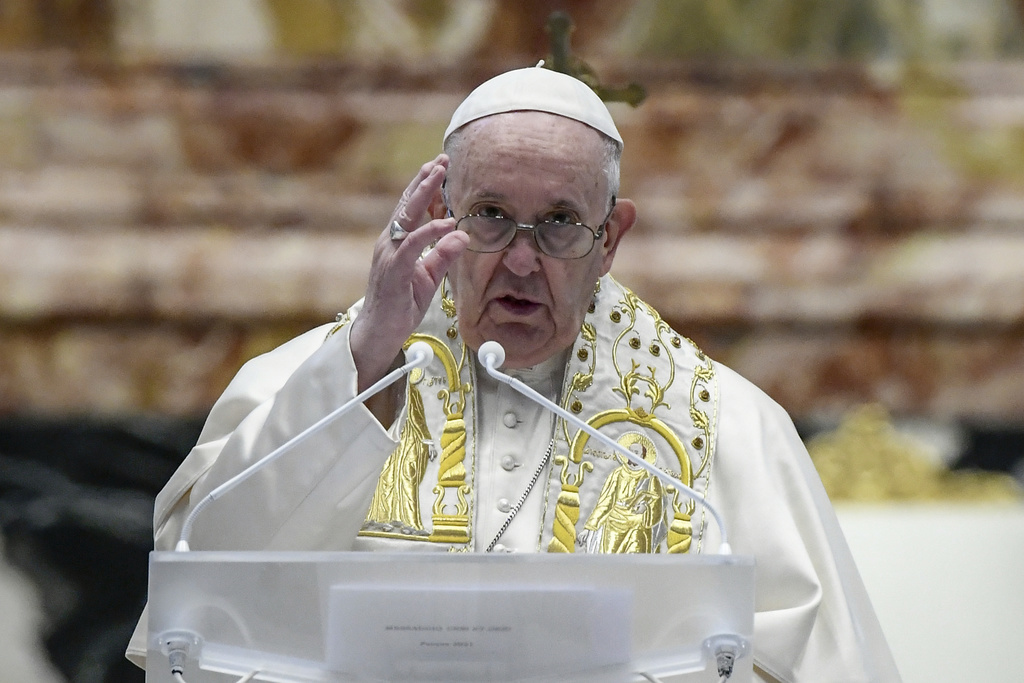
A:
(535, 89)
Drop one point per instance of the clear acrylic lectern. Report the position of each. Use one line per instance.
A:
(426, 617)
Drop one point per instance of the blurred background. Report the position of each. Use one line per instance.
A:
(831, 199)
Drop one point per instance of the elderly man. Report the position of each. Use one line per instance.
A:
(509, 236)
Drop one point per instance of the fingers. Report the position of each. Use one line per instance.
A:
(425, 169)
(416, 198)
(402, 279)
(395, 263)
(449, 247)
(410, 249)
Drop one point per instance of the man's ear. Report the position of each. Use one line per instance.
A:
(621, 220)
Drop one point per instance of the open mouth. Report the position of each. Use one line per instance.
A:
(518, 306)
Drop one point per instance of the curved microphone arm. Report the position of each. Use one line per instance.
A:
(419, 355)
(492, 355)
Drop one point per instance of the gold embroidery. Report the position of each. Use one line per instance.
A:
(581, 381)
(680, 531)
(648, 525)
(451, 518)
(630, 304)
(396, 502)
(340, 321)
(633, 383)
(448, 308)
(630, 508)
(447, 303)
(703, 377)
(567, 511)
(450, 513)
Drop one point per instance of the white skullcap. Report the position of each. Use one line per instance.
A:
(535, 89)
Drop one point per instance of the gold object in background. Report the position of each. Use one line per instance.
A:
(867, 459)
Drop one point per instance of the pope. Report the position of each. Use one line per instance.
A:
(510, 235)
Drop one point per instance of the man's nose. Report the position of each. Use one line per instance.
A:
(522, 257)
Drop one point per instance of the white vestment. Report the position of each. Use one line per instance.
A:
(629, 375)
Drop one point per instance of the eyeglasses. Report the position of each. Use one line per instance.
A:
(563, 240)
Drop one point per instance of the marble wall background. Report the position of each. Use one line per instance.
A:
(841, 228)
(831, 197)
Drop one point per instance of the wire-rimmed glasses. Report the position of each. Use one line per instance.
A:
(563, 240)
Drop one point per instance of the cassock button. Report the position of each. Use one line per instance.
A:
(510, 420)
(508, 463)
(504, 505)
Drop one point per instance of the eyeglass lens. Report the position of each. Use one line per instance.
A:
(560, 240)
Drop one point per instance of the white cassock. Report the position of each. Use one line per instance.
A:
(358, 486)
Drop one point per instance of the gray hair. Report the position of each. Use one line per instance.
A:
(455, 144)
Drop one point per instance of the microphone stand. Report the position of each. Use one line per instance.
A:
(419, 354)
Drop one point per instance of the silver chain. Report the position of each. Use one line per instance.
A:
(522, 499)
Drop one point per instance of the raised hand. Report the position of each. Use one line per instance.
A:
(403, 279)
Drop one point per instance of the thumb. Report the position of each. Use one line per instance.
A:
(439, 259)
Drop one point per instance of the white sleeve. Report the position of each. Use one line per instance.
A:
(313, 497)
(813, 621)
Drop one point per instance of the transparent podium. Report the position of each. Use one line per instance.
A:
(429, 617)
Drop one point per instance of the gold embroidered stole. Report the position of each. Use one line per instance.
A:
(629, 375)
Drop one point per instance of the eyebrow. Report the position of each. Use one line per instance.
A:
(499, 196)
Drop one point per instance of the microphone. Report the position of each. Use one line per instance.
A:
(418, 355)
(492, 355)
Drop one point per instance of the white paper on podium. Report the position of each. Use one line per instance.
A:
(423, 633)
